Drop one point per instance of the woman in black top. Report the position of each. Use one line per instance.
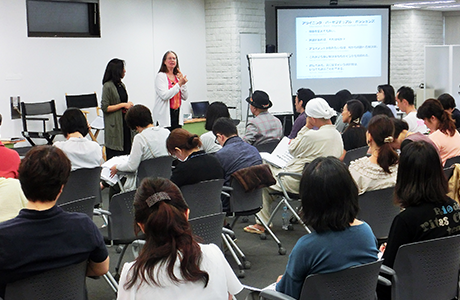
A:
(355, 134)
(194, 165)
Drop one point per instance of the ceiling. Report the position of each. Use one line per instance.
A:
(436, 5)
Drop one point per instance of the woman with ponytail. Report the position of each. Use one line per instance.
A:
(442, 128)
(355, 135)
(172, 265)
(194, 165)
(379, 170)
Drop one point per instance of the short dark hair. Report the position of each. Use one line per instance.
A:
(432, 107)
(382, 109)
(420, 177)
(382, 130)
(224, 126)
(389, 93)
(366, 103)
(182, 139)
(407, 93)
(138, 115)
(164, 68)
(114, 71)
(329, 195)
(447, 101)
(342, 97)
(305, 95)
(215, 111)
(72, 121)
(42, 173)
(399, 125)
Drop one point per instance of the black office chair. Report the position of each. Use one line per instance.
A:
(268, 146)
(155, 167)
(451, 161)
(30, 111)
(208, 228)
(354, 154)
(203, 198)
(377, 209)
(84, 205)
(425, 270)
(62, 283)
(358, 282)
(87, 101)
(82, 183)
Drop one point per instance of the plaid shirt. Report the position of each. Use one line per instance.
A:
(262, 129)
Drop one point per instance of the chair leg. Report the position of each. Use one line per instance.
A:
(229, 244)
(281, 249)
(120, 258)
(30, 141)
(111, 282)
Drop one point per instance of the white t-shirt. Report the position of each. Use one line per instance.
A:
(12, 199)
(415, 124)
(81, 152)
(222, 281)
(208, 141)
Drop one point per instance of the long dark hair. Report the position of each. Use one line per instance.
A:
(168, 235)
(420, 177)
(164, 68)
(329, 195)
(432, 107)
(389, 93)
(114, 71)
(215, 111)
(381, 128)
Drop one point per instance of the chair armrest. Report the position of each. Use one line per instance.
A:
(37, 119)
(282, 174)
(227, 188)
(387, 270)
(101, 212)
(384, 281)
(274, 295)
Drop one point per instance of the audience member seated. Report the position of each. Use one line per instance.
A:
(382, 109)
(308, 145)
(421, 190)
(355, 135)
(149, 142)
(12, 199)
(301, 99)
(403, 135)
(406, 103)
(215, 111)
(235, 153)
(379, 170)
(264, 127)
(367, 115)
(81, 152)
(448, 103)
(172, 265)
(9, 161)
(386, 95)
(442, 128)
(339, 240)
(194, 165)
(341, 97)
(44, 237)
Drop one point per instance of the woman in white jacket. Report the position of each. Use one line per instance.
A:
(171, 89)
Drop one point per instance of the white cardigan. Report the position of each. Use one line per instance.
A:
(163, 95)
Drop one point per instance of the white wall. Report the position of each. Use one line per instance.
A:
(138, 31)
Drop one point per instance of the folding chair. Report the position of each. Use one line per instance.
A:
(82, 183)
(357, 282)
(39, 109)
(377, 209)
(208, 228)
(87, 101)
(84, 205)
(62, 283)
(203, 198)
(155, 167)
(355, 154)
(425, 270)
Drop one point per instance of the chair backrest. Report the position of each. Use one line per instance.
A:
(208, 228)
(121, 220)
(203, 198)
(427, 269)
(81, 101)
(451, 161)
(63, 283)
(155, 167)
(355, 154)
(38, 108)
(449, 171)
(82, 183)
(84, 205)
(377, 209)
(268, 146)
(242, 202)
(358, 282)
